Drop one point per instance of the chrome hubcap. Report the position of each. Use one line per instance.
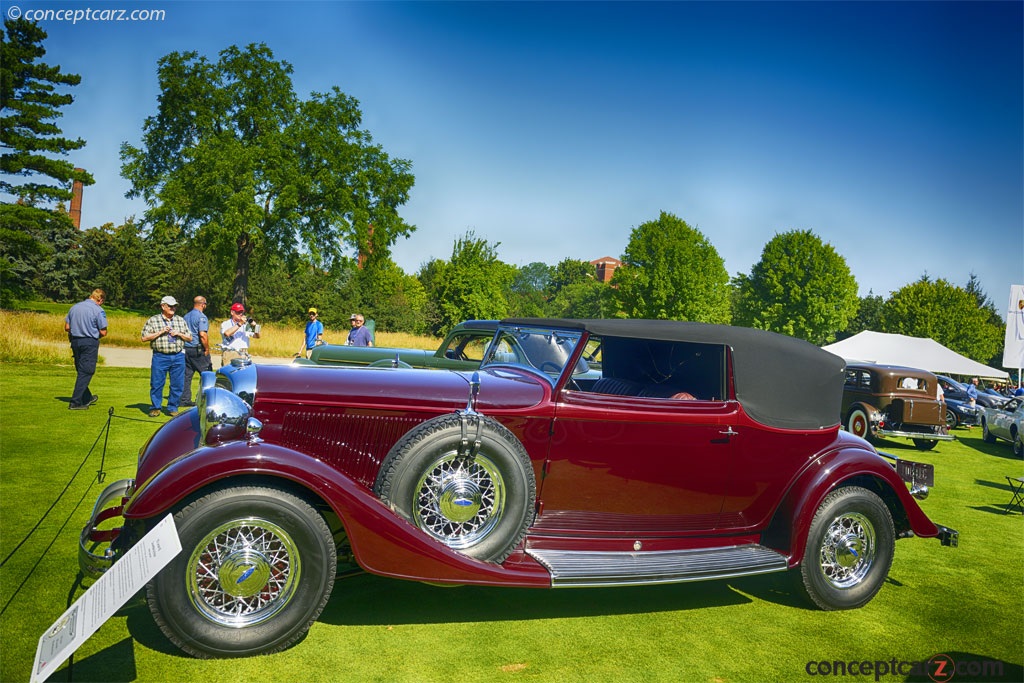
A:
(847, 550)
(459, 501)
(243, 572)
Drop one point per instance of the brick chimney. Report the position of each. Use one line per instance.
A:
(76, 201)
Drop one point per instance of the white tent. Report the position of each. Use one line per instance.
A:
(912, 352)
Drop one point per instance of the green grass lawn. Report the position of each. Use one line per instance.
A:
(966, 602)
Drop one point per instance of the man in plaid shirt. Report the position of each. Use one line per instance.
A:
(166, 334)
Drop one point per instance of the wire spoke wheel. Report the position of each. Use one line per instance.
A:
(243, 572)
(478, 501)
(847, 550)
(459, 500)
(256, 568)
(850, 546)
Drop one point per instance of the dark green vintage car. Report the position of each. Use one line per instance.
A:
(462, 349)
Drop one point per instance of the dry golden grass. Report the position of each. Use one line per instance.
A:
(36, 337)
(286, 340)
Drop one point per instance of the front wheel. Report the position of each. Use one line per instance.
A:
(988, 436)
(256, 568)
(952, 421)
(850, 548)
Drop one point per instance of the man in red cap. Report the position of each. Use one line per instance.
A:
(236, 332)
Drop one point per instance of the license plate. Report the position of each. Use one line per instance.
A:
(916, 473)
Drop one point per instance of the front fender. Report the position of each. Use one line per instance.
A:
(382, 542)
(848, 465)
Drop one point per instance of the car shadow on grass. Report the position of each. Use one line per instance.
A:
(364, 599)
(368, 600)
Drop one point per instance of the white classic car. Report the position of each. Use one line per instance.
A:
(1005, 421)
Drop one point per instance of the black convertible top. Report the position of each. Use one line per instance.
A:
(781, 381)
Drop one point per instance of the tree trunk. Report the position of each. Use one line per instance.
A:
(241, 284)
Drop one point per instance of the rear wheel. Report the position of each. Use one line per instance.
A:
(850, 548)
(857, 423)
(255, 570)
(925, 444)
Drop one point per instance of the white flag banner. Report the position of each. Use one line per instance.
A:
(1013, 353)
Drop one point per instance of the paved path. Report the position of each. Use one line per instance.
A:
(118, 357)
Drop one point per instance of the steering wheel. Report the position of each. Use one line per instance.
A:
(555, 367)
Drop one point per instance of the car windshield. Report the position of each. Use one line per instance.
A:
(540, 349)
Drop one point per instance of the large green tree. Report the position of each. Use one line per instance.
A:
(527, 295)
(235, 159)
(471, 285)
(868, 311)
(800, 287)
(396, 301)
(948, 314)
(671, 271)
(34, 179)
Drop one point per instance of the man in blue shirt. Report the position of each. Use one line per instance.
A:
(972, 391)
(197, 351)
(359, 335)
(314, 334)
(85, 324)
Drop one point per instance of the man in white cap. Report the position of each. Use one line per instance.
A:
(166, 334)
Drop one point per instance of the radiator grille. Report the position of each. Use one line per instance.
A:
(351, 443)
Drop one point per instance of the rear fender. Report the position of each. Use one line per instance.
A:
(845, 466)
(381, 541)
(868, 408)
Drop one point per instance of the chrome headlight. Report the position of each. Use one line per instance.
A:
(223, 416)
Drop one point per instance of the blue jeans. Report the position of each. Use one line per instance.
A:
(165, 364)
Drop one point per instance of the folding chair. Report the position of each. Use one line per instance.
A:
(1017, 491)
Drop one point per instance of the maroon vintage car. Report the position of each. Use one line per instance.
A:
(582, 453)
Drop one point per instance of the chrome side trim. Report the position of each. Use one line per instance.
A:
(576, 568)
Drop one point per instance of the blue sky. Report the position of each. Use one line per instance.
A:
(895, 131)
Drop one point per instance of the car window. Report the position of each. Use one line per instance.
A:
(652, 368)
(592, 353)
(469, 347)
(913, 384)
(537, 348)
(858, 379)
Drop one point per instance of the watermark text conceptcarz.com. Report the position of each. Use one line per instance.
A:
(75, 16)
(940, 668)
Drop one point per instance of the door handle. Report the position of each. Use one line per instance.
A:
(729, 432)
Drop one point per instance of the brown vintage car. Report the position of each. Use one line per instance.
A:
(890, 400)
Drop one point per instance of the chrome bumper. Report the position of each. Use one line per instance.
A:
(915, 435)
(95, 553)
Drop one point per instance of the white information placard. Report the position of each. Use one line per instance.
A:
(112, 590)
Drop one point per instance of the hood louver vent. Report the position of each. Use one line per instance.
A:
(352, 443)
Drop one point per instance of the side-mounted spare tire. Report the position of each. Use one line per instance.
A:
(465, 480)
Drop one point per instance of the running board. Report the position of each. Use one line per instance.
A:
(576, 568)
